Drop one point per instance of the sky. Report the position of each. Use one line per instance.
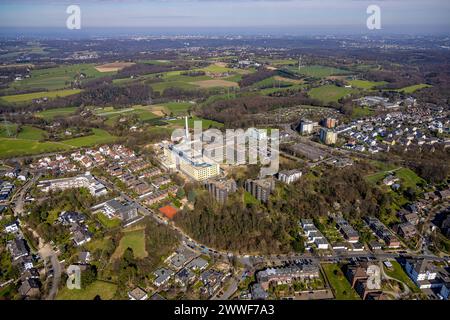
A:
(397, 16)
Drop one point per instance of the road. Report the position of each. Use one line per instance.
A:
(19, 196)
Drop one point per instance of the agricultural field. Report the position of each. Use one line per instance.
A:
(18, 98)
(31, 133)
(99, 136)
(144, 113)
(113, 67)
(177, 108)
(134, 239)
(7, 129)
(51, 114)
(366, 85)
(21, 147)
(215, 84)
(57, 78)
(105, 290)
(414, 88)
(317, 71)
(329, 93)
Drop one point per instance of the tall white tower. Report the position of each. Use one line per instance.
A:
(187, 127)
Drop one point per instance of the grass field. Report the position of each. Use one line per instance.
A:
(398, 273)
(318, 71)
(177, 107)
(21, 147)
(408, 178)
(414, 88)
(329, 93)
(144, 113)
(105, 290)
(53, 113)
(27, 142)
(58, 77)
(161, 86)
(341, 287)
(215, 83)
(361, 112)
(367, 85)
(132, 239)
(17, 98)
(100, 136)
(7, 130)
(31, 133)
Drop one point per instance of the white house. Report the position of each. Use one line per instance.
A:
(421, 271)
(12, 227)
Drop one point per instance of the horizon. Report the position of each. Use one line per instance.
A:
(224, 17)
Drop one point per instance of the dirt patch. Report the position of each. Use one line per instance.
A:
(278, 78)
(159, 111)
(113, 67)
(215, 83)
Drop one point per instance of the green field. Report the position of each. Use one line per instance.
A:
(37, 95)
(161, 86)
(361, 112)
(7, 130)
(318, 71)
(135, 240)
(105, 290)
(177, 107)
(398, 273)
(329, 93)
(408, 178)
(53, 113)
(31, 133)
(414, 88)
(144, 113)
(367, 85)
(99, 136)
(339, 283)
(21, 147)
(58, 77)
(27, 142)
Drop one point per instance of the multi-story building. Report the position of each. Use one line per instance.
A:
(260, 189)
(85, 181)
(289, 176)
(220, 189)
(421, 272)
(306, 127)
(287, 274)
(329, 123)
(328, 136)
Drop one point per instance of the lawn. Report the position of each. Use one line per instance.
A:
(108, 223)
(105, 290)
(339, 283)
(53, 113)
(58, 77)
(398, 273)
(37, 95)
(409, 178)
(318, 71)
(329, 93)
(367, 85)
(132, 239)
(99, 136)
(250, 199)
